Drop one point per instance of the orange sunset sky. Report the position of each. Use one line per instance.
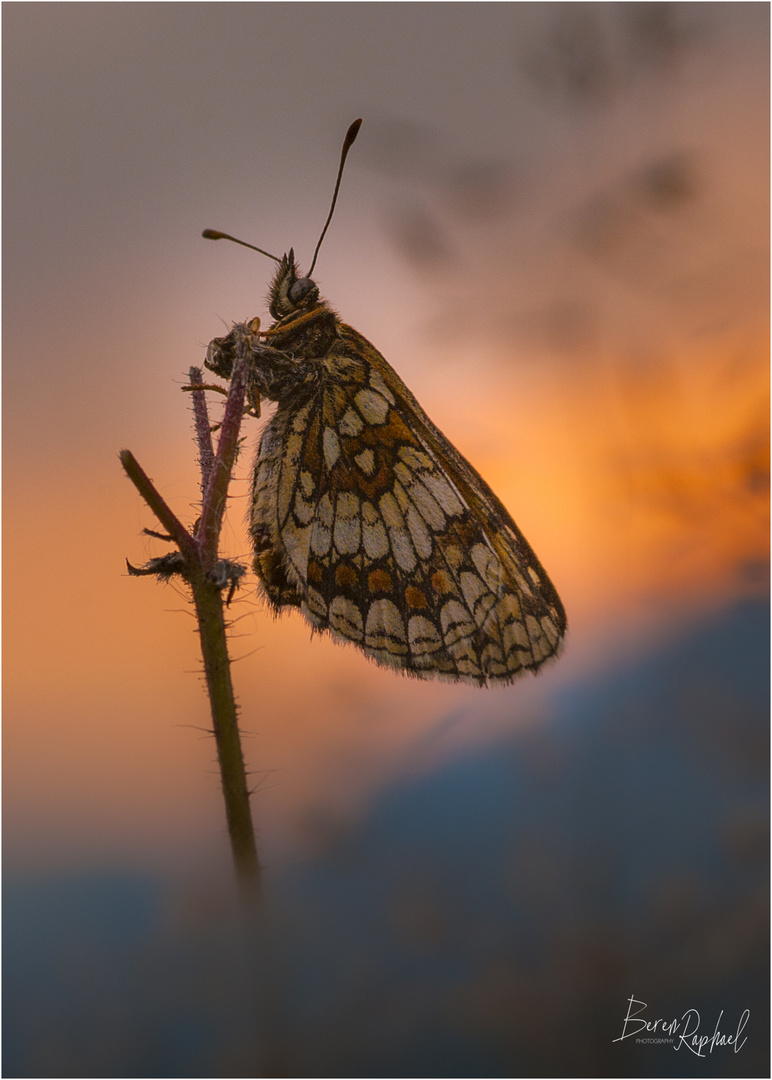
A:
(568, 267)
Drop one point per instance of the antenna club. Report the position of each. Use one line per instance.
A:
(215, 234)
(351, 134)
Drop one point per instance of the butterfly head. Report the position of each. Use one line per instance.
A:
(291, 294)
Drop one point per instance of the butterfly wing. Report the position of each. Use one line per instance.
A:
(384, 535)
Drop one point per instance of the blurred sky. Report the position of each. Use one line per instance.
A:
(554, 225)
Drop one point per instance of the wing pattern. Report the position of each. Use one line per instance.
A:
(370, 521)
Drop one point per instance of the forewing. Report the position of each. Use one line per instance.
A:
(393, 540)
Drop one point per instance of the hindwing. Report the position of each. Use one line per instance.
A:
(368, 519)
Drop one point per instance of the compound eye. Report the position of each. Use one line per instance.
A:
(300, 289)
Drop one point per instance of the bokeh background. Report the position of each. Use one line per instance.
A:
(554, 225)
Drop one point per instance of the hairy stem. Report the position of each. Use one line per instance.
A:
(216, 492)
(207, 575)
(200, 557)
(157, 504)
(208, 601)
(203, 431)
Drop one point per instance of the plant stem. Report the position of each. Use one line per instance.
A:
(144, 485)
(201, 567)
(207, 597)
(216, 491)
(200, 559)
(203, 432)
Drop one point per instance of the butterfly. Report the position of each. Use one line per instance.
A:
(365, 518)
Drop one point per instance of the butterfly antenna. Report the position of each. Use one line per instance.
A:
(213, 234)
(351, 134)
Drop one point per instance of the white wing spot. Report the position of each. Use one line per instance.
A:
(300, 422)
(522, 584)
(454, 556)
(378, 384)
(456, 623)
(346, 618)
(350, 423)
(321, 538)
(373, 407)
(488, 567)
(366, 461)
(423, 636)
(331, 445)
(539, 644)
(492, 660)
(304, 509)
(513, 636)
(347, 525)
(384, 628)
(465, 658)
(415, 459)
(418, 532)
(443, 493)
(317, 608)
(296, 543)
(374, 536)
(400, 538)
(473, 587)
(324, 511)
(321, 531)
(427, 505)
(290, 458)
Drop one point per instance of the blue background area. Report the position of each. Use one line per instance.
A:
(489, 919)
